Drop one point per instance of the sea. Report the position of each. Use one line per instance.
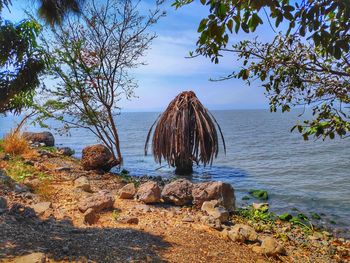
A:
(262, 153)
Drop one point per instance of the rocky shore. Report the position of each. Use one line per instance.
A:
(53, 209)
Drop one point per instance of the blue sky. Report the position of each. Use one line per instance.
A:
(168, 71)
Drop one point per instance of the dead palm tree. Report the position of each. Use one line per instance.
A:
(185, 134)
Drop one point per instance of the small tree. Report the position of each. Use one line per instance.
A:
(185, 133)
(91, 56)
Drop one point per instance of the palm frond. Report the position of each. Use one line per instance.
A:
(185, 132)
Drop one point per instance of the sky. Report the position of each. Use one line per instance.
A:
(168, 71)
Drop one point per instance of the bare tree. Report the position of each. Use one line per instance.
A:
(91, 57)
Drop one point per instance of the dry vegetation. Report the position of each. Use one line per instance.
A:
(14, 143)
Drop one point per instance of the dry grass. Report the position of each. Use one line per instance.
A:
(15, 144)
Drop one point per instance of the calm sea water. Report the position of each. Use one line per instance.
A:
(313, 176)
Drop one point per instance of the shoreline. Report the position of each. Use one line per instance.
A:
(57, 187)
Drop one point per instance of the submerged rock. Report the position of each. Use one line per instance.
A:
(127, 192)
(178, 192)
(259, 194)
(222, 192)
(46, 138)
(149, 193)
(97, 157)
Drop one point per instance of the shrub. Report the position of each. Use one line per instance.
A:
(15, 144)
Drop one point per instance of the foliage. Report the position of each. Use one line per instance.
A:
(19, 171)
(54, 11)
(90, 57)
(259, 194)
(256, 215)
(185, 133)
(20, 64)
(15, 144)
(306, 65)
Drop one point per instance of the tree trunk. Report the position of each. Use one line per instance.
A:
(184, 167)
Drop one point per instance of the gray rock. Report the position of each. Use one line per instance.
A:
(222, 192)
(178, 192)
(32, 258)
(99, 201)
(211, 222)
(40, 137)
(66, 151)
(41, 208)
(127, 192)
(148, 192)
(82, 183)
(214, 210)
(3, 203)
(242, 233)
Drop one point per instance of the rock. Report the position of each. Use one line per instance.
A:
(178, 192)
(208, 191)
(5, 179)
(82, 183)
(32, 183)
(242, 233)
(20, 188)
(99, 201)
(129, 220)
(259, 194)
(40, 137)
(270, 247)
(148, 192)
(214, 210)
(261, 206)
(41, 208)
(127, 192)
(3, 203)
(90, 216)
(143, 208)
(32, 258)
(97, 157)
(188, 219)
(66, 151)
(211, 222)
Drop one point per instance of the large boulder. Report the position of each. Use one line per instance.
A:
(178, 192)
(40, 137)
(97, 202)
(97, 157)
(222, 192)
(148, 192)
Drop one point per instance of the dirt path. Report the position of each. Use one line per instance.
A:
(162, 233)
